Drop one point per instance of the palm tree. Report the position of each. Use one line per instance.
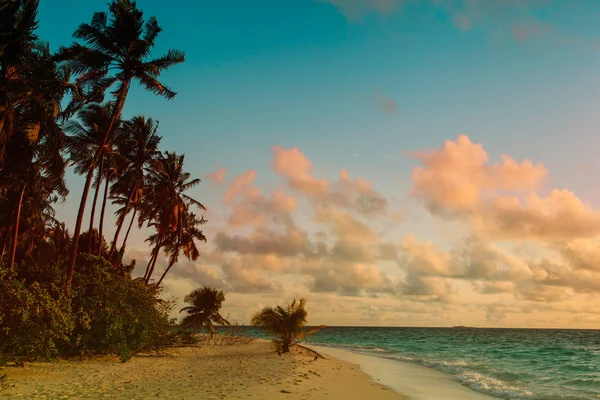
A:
(289, 323)
(86, 138)
(114, 165)
(34, 167)
(184, 239)
(167, 204)
(109, 174)
(57, 235)
(120, 199)
(28, 76)
(115, 51)
(140, 148)
(18, 39)
(204, 310)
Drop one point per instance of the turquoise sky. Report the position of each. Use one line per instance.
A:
(299, 73)
(360, 84)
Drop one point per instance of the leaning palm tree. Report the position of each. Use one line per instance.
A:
(86, 138)
(167, 203)
(116, 50)
(204, 310)
(288, 323)
(184, 240)
(140, 148)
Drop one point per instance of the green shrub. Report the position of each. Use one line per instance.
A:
(35, 318)
(105, 312)
(114, 314)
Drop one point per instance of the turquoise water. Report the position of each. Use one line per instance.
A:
(504, 363)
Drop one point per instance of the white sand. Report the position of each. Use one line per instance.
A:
(200, 372)
(414, 381)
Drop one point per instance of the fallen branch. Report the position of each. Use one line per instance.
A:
(314, 352)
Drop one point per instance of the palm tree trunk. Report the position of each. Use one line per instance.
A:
(6, 120)
(155, 252)
(149, 264)
(13, 251)
(154, 263)
(93, 214)
(124, 89)
(150, 268)
(75, 244)
(3, 248)
(113, 247)
(128, 230)
(100, 228)
(166, 271)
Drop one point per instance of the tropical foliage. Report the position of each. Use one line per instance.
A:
(65, 290)
(106, 312)
(204, 310)
(288, 323)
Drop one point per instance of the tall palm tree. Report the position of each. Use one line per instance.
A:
(204, 310)
(289, 323)
(109, 174)
(86, 138)
(184, 239)
(116, 50)
(140, 149)
(167, 204)
(18, 23)
(115, 164)
(121, 200)
(34, 166)
(27, 74)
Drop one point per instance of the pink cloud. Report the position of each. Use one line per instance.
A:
(360, 184)
(499, 200)
(559, 216)
(250, 207)
(297, 169)
(456, 178)
(217, 177)
(242, 185)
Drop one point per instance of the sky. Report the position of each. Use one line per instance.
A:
(397, 162)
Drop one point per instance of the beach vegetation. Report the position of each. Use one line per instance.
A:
(66, 291)
(114, 50)
(106, 312)
(288, 323)
(204, 310)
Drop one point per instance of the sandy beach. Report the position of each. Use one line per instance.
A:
(200, 372)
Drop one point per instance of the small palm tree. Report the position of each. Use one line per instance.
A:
(289, 323)
(204, 310)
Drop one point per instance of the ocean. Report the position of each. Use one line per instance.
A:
(536, 364)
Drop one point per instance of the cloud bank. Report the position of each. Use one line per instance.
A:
(526, 254)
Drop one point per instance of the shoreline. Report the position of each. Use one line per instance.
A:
(242, 371)
(415, 382)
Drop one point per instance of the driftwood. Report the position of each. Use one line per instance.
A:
(313, 352)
